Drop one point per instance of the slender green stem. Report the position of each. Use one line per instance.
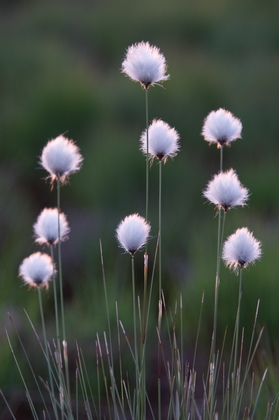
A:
(56, 310)
(60, 263)
(64, 340)
(214, 368)
(31, 404)
(237, 323)
(144, 316)
(44, 330)
(160, 282)
(135, 335)
(221, 227)
(147, 159)
(47, 351)
(221, 157)
(160, 229)
(106, 302)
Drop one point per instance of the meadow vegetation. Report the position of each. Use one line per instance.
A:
(61, 74)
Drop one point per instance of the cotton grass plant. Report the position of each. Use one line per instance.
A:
(126, 395)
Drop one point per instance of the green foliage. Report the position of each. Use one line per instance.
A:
(60, 73)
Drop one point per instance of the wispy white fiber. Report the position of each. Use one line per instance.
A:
(61, 158)
(132, 233)
(162, 140)
(221, 127)
(145, 63)
(241, 249)
(46, 227)
(226, 191)
(37, 270)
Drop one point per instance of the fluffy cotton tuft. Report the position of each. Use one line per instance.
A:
(162, 140)
(132, 233)
(226, 191)
(61, 158)
(46, 227)
(241, 249)
(37, 270)
(221, 127)
(144, 63)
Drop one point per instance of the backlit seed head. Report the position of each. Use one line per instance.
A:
(145, 63)
(132, 233)
(241, 249)
(37, 270)
(61, 158)
(221, 127)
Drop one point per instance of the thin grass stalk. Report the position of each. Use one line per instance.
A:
(238, 394)
(276, 406)
(28, 359)
(159, 359)
(160, 229)
(146, 320)
(80, 372)
(234, 352)
(77, 416)
(87, 379)
(64, 340)
(198, 331)
(128, 398)
(60, 263)
(160, 283)
(212, 364)
(217, 280)
(258, 394)
(135, 339)
(248, 365)
(145, 258)
(54, 368)
(98, 380)
(128, 342)
(181, 334)
(104, 376)
(107, 313)
(32, 408)
(142, 367)
(113, 383)
(221, 157)
(106, 300)
(237, 325)
(56, 309)
(220, 233)
(117, 397)
(47, 351)
(144, 312)
(83, 392)
(151, 286)
(146, 162)
(119, 357)
(7, 405)
(253, 330)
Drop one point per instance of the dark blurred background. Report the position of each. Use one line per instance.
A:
(60, 72)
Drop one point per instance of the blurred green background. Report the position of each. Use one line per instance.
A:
(60, 65)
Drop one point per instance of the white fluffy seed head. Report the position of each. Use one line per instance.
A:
(37, 270)
(46, 227)
(61, 158)
(241, 249)
(221, 127)
(132, 233)
(226, 191)
(162, 140)
(145, 63)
